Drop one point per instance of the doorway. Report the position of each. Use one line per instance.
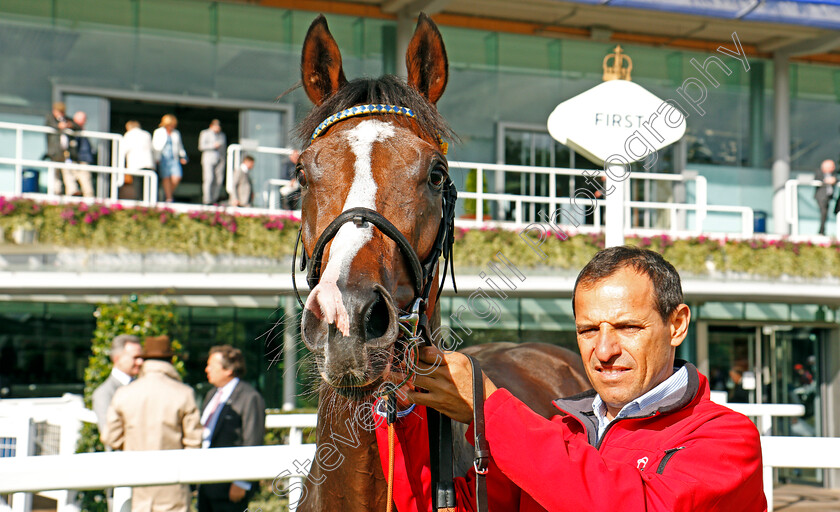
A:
(772, 364)
(191, 120)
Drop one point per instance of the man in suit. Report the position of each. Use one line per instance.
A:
(825, 192)
(234, 415)
(212, 144)
(243, 189)
(156, 412)
(59, 147)
(125, 355)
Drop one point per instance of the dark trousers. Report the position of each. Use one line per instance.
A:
(214, 498)
(823, 204)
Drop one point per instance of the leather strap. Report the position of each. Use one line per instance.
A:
(360, 216)
(482, 449)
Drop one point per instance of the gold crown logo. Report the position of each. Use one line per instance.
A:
(618, 70)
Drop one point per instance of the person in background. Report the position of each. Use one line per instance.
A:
(125, 356)
(58, 142)
(212, 144)
(825, 191)
(289, 194)
(155, 412)
(81, 152)
(170, 155)
(137, 146)
(243, 190)
(234, 415)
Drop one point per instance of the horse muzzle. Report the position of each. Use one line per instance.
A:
(352, 334)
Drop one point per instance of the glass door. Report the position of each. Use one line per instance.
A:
(263, 128)
(734, 363)
(793, 354)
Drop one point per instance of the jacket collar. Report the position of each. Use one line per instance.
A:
(580, 406)
(151, 366)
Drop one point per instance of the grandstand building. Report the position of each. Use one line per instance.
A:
(760, 120)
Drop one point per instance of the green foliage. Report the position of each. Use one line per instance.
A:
(129, 316)
(144, 229)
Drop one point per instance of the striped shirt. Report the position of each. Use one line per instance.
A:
(673, 386)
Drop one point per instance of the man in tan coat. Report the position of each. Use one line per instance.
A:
(155, 412)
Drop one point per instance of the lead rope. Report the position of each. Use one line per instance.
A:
(392, 418)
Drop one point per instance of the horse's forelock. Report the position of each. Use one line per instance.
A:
(386, 90)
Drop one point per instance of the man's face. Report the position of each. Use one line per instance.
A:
(216, 127)
(626, 347)
(216, 374)
(129, 361)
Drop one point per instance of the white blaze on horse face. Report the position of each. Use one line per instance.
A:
(325, 301)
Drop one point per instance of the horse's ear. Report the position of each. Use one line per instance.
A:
(320, 63)
(428, 68)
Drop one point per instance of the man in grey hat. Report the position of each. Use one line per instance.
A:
(140, 418)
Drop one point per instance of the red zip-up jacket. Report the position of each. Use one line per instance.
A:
(689, 455)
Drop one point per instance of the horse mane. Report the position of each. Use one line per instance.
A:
(385, 90)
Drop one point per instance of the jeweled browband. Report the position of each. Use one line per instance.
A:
(364, 110)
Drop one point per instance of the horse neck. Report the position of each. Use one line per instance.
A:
(357, 483)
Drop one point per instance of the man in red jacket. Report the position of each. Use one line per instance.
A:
(646, 438)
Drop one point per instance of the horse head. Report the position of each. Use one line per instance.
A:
(375, 184)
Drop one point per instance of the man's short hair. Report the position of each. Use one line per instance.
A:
(248, 158)
(118, 343)
(667, 287)
(232, 359)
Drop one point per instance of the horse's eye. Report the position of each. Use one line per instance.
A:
(437, 176)
(300, 175)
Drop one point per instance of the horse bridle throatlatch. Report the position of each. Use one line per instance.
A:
(414, 324)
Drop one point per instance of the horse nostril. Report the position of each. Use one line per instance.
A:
(377, 319)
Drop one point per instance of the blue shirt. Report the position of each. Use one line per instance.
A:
(673, 386)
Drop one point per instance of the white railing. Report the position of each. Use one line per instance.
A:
(792, 201)
(763, 413)
(95, 470)
(17, 426)
(552, 201)
(150, 178)
(115, 141)
(700, 207)
(271, 186)
(796, 452)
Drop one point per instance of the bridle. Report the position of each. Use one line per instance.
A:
(414, 325)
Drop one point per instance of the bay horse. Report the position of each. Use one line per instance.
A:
(377, 209)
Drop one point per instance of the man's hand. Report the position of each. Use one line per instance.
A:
(448, 379)
(236, 493)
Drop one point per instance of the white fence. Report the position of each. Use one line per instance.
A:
(552, 201)
(95, 470)
(49, 428)
(792, 201)
(525, 205)
(58, 476)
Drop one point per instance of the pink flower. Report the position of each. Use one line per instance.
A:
(88, 219)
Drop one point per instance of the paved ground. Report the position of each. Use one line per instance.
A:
(804, 498)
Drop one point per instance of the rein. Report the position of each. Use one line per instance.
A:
(414, 324)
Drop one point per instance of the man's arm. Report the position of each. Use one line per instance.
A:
(113, 434)
(206, 141)
(717, 468)
(253, 419)
(101, 400)
(190, 424)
